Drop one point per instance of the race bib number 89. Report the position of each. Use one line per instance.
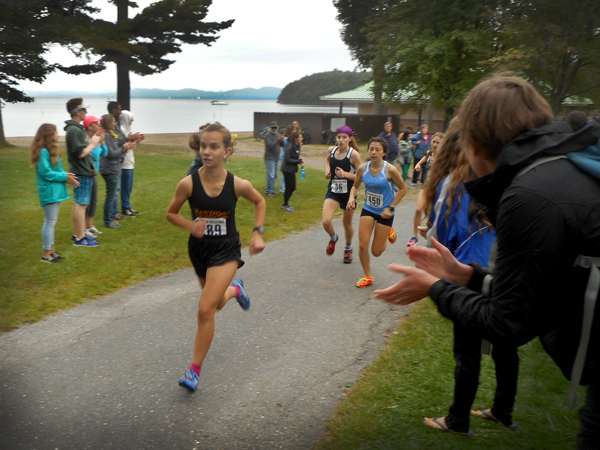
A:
(215, 227)
(339, 186)
(374, 200)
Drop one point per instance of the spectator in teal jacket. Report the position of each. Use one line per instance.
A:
(51, 179)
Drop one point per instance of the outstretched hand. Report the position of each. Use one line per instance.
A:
(413, 287)
(439, 262)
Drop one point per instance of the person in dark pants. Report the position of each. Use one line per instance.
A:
(392, 142)
(289, 168)
(538, 185)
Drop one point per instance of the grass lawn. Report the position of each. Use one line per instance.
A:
(413, 378)
(144, 247)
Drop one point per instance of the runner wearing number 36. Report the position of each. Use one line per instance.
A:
(340, 170)
(214, 243)
(379, 178)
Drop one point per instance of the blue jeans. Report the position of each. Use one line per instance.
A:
(50, 218)
(271, 176)
(126, 188)
(115, 209)
(112, 185)
(281, 177)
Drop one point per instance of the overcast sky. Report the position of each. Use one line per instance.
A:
(271, 43)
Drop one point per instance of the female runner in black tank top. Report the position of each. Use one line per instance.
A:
(214, 243)
(340, 169)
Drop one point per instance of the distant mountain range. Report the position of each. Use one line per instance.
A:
(264, 93)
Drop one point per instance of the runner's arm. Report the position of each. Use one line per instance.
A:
(357, 180)
(243, 188)
(182, 193)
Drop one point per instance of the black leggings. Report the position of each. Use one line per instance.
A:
(467, 353)
(290, 186)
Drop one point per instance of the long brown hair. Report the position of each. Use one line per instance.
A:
(44, 138)
(499, 109)
(450, 161)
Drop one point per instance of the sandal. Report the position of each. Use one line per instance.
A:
(437, 424)
(486, 414)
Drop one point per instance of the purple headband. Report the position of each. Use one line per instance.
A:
(345, 130)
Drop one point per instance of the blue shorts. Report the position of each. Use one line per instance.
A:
(342, 199)
(378, 218)
(83, 193)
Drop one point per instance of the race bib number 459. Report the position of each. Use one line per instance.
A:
(339, 186)
(374, 200)
(215, 227)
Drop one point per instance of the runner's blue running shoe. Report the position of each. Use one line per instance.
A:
(243, 299)
(189, 380)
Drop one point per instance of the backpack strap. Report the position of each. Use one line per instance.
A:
(589, 305)
(437, 208)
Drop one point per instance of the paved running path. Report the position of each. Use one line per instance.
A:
(104, 375)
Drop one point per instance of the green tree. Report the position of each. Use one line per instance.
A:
(434, 52)
(308, 89)
(560, 57)
(26, 34)
(355, 17)
(140, 44)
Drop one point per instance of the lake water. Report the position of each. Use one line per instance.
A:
(152, 115)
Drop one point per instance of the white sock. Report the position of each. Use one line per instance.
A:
(334, 237)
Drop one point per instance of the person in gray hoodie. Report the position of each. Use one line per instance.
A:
(110, 166)
(273, 143)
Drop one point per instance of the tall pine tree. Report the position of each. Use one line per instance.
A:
(141, 43)
(25, 36)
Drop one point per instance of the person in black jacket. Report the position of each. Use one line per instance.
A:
(545, 217)
(289, 167)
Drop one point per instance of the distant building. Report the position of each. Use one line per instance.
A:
(363, 96)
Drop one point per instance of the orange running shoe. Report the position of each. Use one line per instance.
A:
(364, 282)
(392, 235)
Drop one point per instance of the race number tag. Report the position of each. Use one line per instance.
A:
(374, 200)
(339, 186)
(215, 227)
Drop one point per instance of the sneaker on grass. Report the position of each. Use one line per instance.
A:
(49, 259)
(189, 380)
(113, 224)
(94, 230)
(243, 299)
(85, 242)
(74, 238)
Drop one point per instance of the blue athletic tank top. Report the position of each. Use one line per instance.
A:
(340, 185)
(379, 190)
(219, 211)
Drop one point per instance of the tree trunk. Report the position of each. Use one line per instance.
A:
(123, 84)
(123, 87)
(2, 137)
(378, 90)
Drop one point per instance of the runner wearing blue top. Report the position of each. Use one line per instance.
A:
(380, 201)
(340, 170)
